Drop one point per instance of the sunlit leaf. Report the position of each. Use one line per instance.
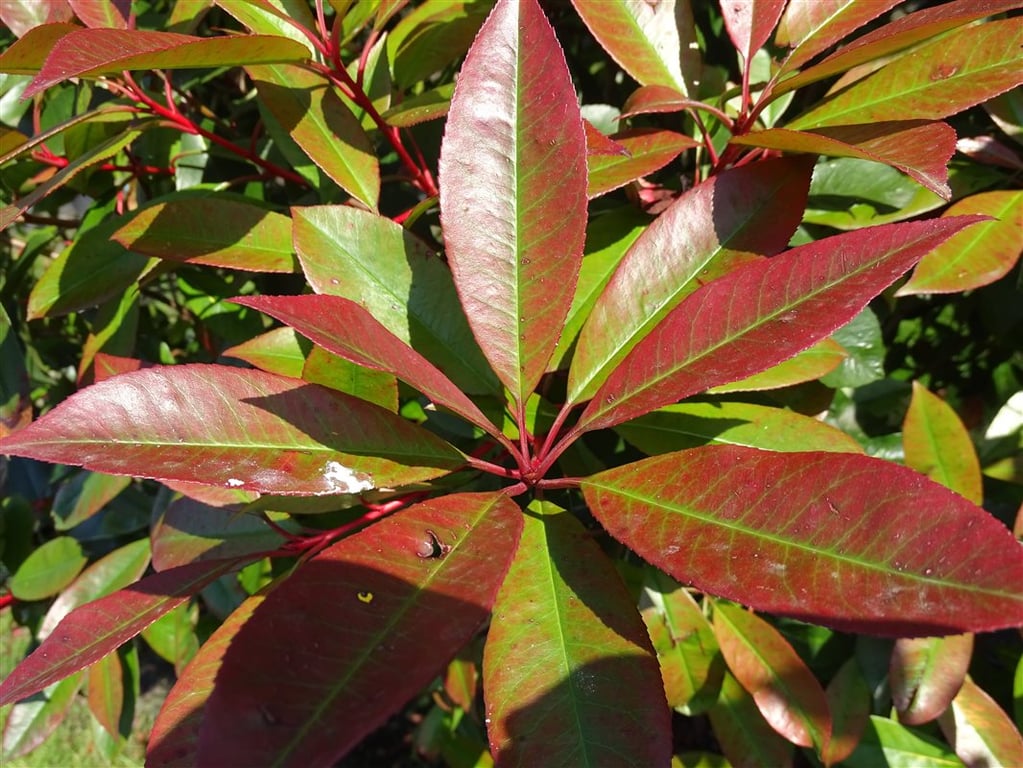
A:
(102, 13)
(744, 735)
(51, 567)
(30, 723)
(810, 28)
(813, 363)
(885, 742)
(750, 23)
(849, 703)
(648, 150)
(83, 496)
(27, 54)
(979, 730)
(926, 673)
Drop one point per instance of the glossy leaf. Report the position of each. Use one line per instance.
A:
(344, 328)
(920, 149)
(50, 568)
(649, 41)
(979, 730)
(31, 722)
(849, 703)
(429, 105)
(837, 539)
(691, 664)
(977, 257)
(750, 23)
(433, 35)
(393, 274)
(273, 17)
(105, 692)
(687, 425)
(329, 370)
(234, 428)
(648, 151)
(172, 637)
(102, 13)
(315, 117)
(83, 496)
(937, 444)
(783, 687)
(759, 315)
(745, 737)
(943, 77)
(27, 54)
(220, 232)
(813, 363)
(94, 52)
(926, 673)
(405, 593)
(705, 233)
(92, 631)
(280, 351)
(885, 742)
(513, 191)
(811, 28)
(568, 673)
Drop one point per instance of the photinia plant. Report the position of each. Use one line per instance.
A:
(551, 451)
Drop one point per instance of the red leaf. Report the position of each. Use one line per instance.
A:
(599, 144)
(92, 631)
(237, 428)
(356, 631)
(926, 673)
(750, 23)
(644, 151)
(810, 28)
(759, 315)
(27, 54)
(102, 13)
(838, 539)
(513, 191)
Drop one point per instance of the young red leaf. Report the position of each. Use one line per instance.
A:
(810, 28)
(346, 329)
(706, 232)
(925, 674)
(750, 23)
(783, 687)
(599, 144)
(568, 673)
(979, 730)
(744, 735)
(92, 631)
(235, 428)
(94, 52)
(921, 150)
(759, 315)
(513, 191)
(652, 99)
(645, 151)
(357, 630)
(843, 540)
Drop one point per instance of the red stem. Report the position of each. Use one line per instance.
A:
(7, 600)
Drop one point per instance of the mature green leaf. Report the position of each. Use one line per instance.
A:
(813, 363)
(745, 737)
(431, 36)
(85, 494)
(648, 150)
(568, 672)
(838, 539)
(30, 723)
(326, 368)
(979, 730)
(50, 568)
(783, 687)
(393, 274)
(235, 428)
(27, 54)
(978, 257)
(323, 647)
(343, 327)
(428, 105)
(92, 631)
(274, 17)
(941, 78)
(759, 315)
(704, 234)
(308, 109)
(885, 742)
(937, 445)
(280, 350)
(810, 28)
(687, 425)
(15, 405)
(513, 192)
(655, 43)
(173, 638)
(849, 703)
(863, 342)
(218, 231)
(920, 149)
(750, 24)
(94, 52)
(925, 674)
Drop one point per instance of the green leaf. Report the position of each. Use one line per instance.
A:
(568, 672)
(50, 568)
(925, 674)
(274, 17)
(217, 231)
(978, 257)
(938, 79)
(309, 110)
(937, 445)
(394, 275)
(105, 692)
(979, 730)
(329, 370)
(783, 687)
(513, 192)
(687, 425)
(885, 742)
(813, 363)
(27, 54)
(744, 735)
(849, 702)
(648, 150)
(15, 405)
(235, 428)
(85, 494)
(432, 36)
(404, 594)
(838, 539)
(172, 637)
(30, 723)
(281, 351)
(428, 105)
(863, 343)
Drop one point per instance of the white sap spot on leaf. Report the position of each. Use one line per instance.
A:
(670, 550)
(234, 482)
(341, 479)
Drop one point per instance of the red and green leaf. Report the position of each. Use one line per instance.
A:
(849, 703)
(646, 151)
(569, 676)
(979, 730)
(838, 539)
(750, 23)
(513, 192)
(813, 363)
(926, 673)
(745, 737)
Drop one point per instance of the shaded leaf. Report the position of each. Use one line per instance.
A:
(378, 387)
(979, 731)
(937, 444)
(810, 28)
(428, 105)
(93, 52)
(813, 363)
(92, 631)
(648, 150)
(51, 567)
(759, 315)
(83, 496)
(745, 737)
(849, 703)
(309, 110)
(236, 428)
(705, 233)
(431, 36)
(569, 677)
(105, 692)
(322, 648)
(978, 257)
(30, 723)
(925, 674)
(513, 191)
(172, 637)
(838, 539)
(217, 231)
(279, 350)
(885, 742)
(15, 405)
